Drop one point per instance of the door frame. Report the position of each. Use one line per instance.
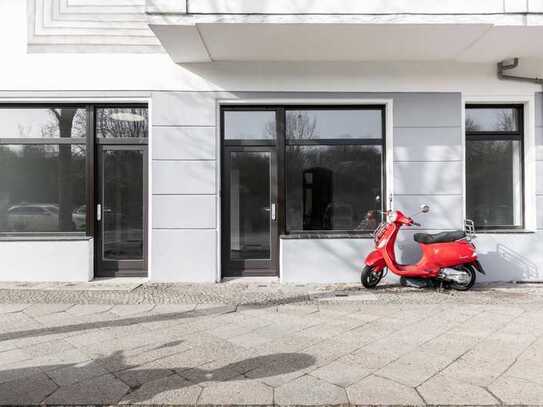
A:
(124, 268)
(287, 100)
(249, 267)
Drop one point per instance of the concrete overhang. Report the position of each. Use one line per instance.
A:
(192, 38)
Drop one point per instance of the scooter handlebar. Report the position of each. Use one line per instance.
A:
(415, 224)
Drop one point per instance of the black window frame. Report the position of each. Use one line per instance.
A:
(91, 143)
(496, 135)
(281, 142)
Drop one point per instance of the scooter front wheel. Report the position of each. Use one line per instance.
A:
(370, 278)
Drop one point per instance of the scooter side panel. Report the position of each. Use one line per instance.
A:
(375, 259)
(450, 254)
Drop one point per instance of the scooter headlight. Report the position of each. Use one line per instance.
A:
(393, 216)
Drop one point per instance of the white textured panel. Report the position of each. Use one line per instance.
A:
(89, 26)
(323, 260)
(184, 109)
(184, 177)
(445, 211)
(184, 143)
(428, 110)
(345, 6)
(184, 255)
(183, 42)
(427, 178)
(46, 261)
(184, 211)
(166, 6)
(427, 144)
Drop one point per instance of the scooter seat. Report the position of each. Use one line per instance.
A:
(443, 237)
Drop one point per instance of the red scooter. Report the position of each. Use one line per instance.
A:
(447, 257)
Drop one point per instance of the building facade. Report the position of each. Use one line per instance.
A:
(196, 140)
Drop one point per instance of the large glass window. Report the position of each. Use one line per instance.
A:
(43, 156)
(494, 169)
(330, 163)
(334, 169)
(45, 163)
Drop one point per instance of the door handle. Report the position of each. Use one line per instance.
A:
(99, 212)
(273, 211)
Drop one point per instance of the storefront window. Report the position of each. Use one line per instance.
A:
(494, 170)
(334, 160)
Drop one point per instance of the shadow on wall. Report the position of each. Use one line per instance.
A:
(508, 265)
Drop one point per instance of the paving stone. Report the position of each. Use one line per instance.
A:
(278, 369)
(15, 370)
(88, 309)
(516, 391)
(48, 348)
(30, 390)
(132, 309)
(341, 374)
(168, 390)
(441, 389)
(148, 372)
(309, 390)
(414, 368)
(9, 308)
(374, 390)
(236, 392)
(210, 373)
(37, 310)
(104, 389)
(368, 360)
(76, 373)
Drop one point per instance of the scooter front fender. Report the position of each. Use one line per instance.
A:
(375, 259)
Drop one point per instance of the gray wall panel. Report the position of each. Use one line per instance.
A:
(445, 210)
(427, 144)
(184, 255)
(184, 143)
(539, 109)
(427, 110)
(539, 210)
(427, 178)
(184, 177)
(184, 211)
(184, 109)
(539, 143)
(539, 177)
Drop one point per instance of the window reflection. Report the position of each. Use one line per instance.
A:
(249, 125)
(42, 188)
(492, 119)
(43, 123)
(333, 187)
(333, 124)
(494, 182)
(120, 122)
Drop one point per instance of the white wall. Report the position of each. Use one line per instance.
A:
(184, 250)
(46, 261)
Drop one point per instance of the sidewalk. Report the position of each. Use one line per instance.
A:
(265, 344)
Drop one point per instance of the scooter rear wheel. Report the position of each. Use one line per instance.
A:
(370, 278)
(468, 284)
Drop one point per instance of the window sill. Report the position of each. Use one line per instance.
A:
(504, 232)
(338, 235)
(43, 238)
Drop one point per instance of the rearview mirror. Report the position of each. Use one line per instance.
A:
(424, 208)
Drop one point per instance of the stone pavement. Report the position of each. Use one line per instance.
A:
(391, 346)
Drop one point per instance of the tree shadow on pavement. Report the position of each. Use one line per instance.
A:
(154, 381)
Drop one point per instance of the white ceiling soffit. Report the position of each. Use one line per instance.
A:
(360, 38)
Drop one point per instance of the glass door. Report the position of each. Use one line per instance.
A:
(249, 211)
(121, 210)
